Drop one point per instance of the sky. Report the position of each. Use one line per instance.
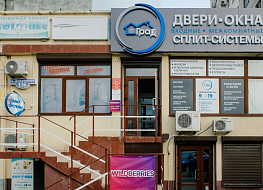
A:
(108, 4)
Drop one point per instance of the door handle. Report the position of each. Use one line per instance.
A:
(196, 174)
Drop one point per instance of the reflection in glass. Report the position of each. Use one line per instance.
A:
(51, 95)
(93, 70)
(141, 71)
(131, 98)
(147, 123)
(57, 70)
(130, 126)
(99, 94)
(75, 95)
(189, 166)
(188, 188)
(206, 166)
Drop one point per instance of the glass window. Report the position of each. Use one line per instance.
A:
(99, 94)
(255, 94)
(77, 91)
(93, 70)
(255, 68)
(57, 70)
(75, 102)
(51, 95)
(141, 71)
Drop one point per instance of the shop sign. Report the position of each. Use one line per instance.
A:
(136, 30)
(132, 172)
(207, 95)
(226, 67)
(188, 67)
(80, 28)
(116, 88)
(232, 93)
(22, 173)
(14, 103)
(115, 105)
(22, 83)
(182, 95)
(186, 30)
(24, 27)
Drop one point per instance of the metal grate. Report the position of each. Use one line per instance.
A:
(184, 120)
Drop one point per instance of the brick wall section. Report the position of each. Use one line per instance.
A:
(13, 48)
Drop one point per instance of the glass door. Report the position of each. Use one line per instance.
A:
(195, 168)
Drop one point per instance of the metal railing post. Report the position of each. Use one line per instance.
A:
(106, 168)
(124, 126)
(38, 143)
(75, 130)
(16, 135)
(33, 138)
(156, 126)
(71, 160)
(93, 114)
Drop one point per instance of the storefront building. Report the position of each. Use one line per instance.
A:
(181, 87)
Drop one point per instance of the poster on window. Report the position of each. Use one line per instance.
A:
(188, 67)
(132, 172)
(226, 67)
(116, 88)
(182, 95)
(207, 95)
(232, 93)
(22, 173)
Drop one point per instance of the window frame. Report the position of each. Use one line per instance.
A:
(74, 77)
(245, 77)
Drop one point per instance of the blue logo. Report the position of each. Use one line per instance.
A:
(143, 29)
(207, 85)
(14, 103)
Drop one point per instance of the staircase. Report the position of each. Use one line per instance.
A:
(63, 165)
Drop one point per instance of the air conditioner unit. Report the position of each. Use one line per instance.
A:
(187, 121)
(16, 68)
(223, 125)
(223, 2)
(11, 138)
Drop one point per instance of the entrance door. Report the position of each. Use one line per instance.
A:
(195, 165)
(140, 94)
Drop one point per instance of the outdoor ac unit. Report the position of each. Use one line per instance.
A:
(187, 121)
(16, 68)
(11, 138)
(223, 2)
(223, 125)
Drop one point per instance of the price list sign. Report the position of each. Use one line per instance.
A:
(181, 94)
(232, 94)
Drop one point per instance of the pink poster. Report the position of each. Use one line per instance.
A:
(132, 172)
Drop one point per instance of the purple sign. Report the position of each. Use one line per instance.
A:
(115, 105)
(132, 172)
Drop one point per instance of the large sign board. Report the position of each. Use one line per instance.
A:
(24, 27)
(188, 67)
(232, 93)
(140, 30)
(80, 28)
(182, 96)
(22, 174)
(132, 172)
(207, 95)
(226, 67)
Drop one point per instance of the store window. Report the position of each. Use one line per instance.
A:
(72, 89)
(246, 3)
(242, 165)
(211, 86)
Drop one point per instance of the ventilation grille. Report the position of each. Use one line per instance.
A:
(10, 138)
(11, 66)
(220, 125)
(184, 121)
